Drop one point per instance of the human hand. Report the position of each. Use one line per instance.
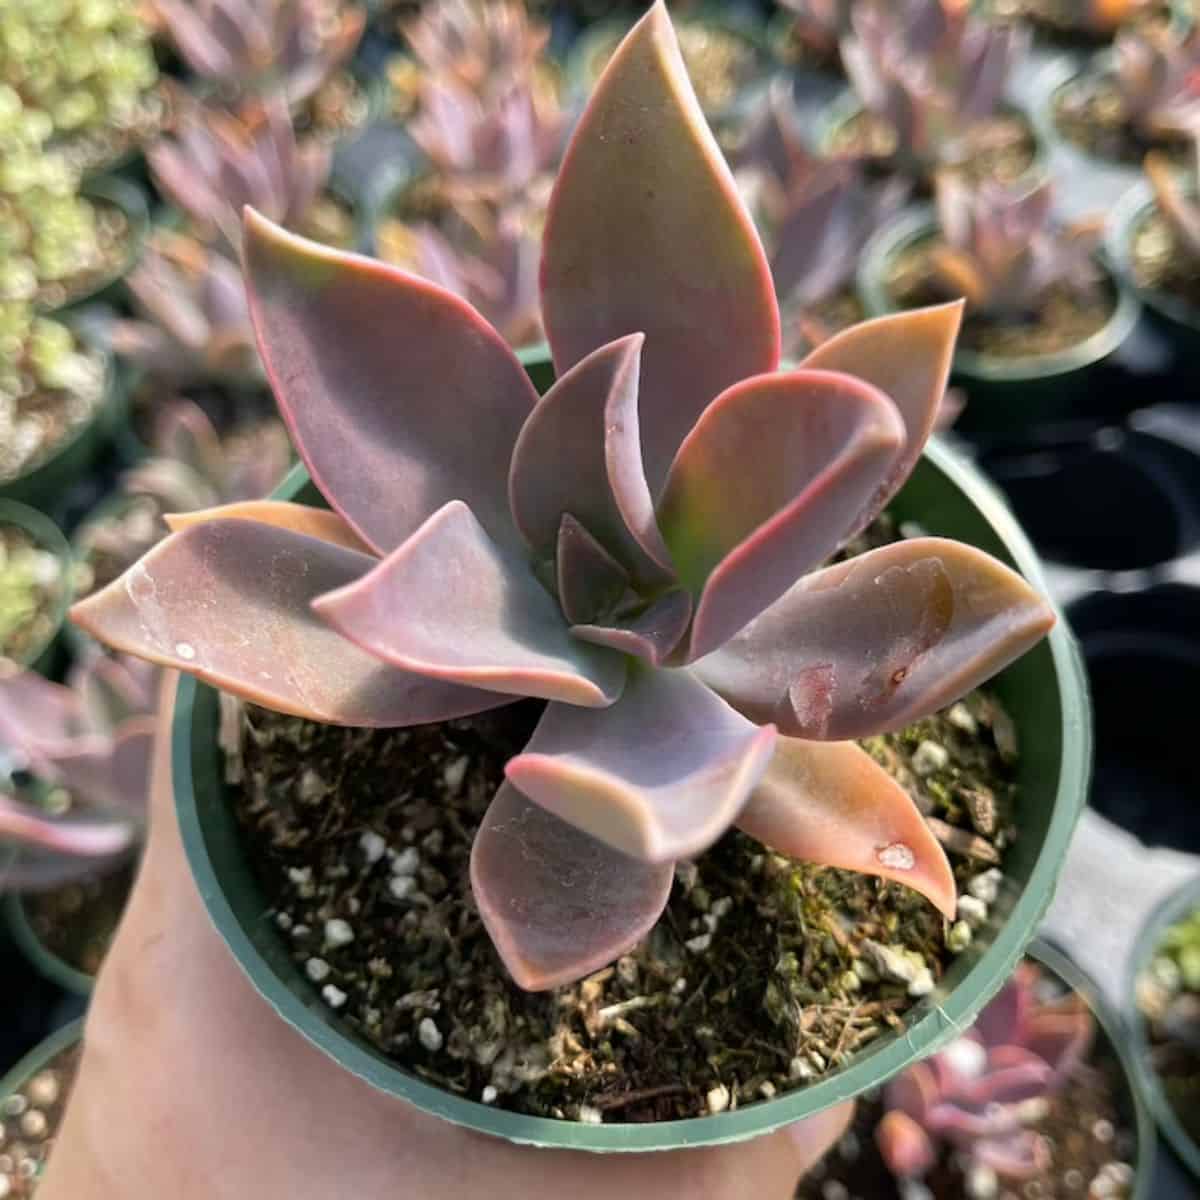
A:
(191, 1088)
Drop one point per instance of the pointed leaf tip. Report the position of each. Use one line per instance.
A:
(556, 903)
(385, 411)
(642, 186)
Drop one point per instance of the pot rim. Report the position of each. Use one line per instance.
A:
(1133, 206)
(49, 1047)
(918, 221)
(1170, 910)
(936, 1021)
(47, 535)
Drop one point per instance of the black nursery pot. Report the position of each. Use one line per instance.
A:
(1142, 651)
(1005, 396)
(1175, 908)
(1176, 319)
(1044, 691)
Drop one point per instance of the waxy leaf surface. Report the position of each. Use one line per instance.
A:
(651, 635)
(318, 523)
(557, 903)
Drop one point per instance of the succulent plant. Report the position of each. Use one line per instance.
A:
(87, 69)
(216, 164)
(980, 1094)
(929, 69)
(260, 48)
(1178, 203)
(193, 323)
(31, 583)
(49, 387)
(819, 24)
(1100, 17)
(816, 212)
(88, 743)
(1002, 252)
(603, 548)
(1155, 78)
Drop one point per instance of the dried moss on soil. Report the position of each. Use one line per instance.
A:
(1088, 1127)
(76, 922)
(1161, 265)
(762, 974)
(1066, 319)
(1089, 112)
(29, 1121)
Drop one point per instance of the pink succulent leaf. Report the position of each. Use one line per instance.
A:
(451, 605)
(1061, 1035)
(904, 1145)
(306, 70)
(386, 412)
(111, 775)
(590, 580)
(197, 44)
(34, 869)
(660, 775)
(37, 719)
(80, 838)
(879, 641)
(1014, 1074)
(156, 289)
(970, 1127)
(651, 634)
(184, 433)
(182, 182)
(561, 462)
(831, 803)
(230, 602)
(1002, 1022)
(299, 518)
(172, 484)
(914, 1091)
(820, 444)
(906, 355)
(113, 690)
(1021, 1155)
(642, 187)
(557, 903)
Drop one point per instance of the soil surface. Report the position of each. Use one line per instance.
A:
(1089, 113)
(29, 1122)
(1088, 1127)
(1160, 265)
(762, 974)
(76, 922)
(31, 584)
(1064, 319)
(113, 251)
(1058, 20)
(1002, 147)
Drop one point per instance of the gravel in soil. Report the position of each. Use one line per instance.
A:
(1059, 20)
(1002, 147)
(76, 922)
(1087, 1127)
(29, 1121)
(763, 973)
(1160, 265)
(1064, 320)
(112, 253)
(1090, 113)
(31, 586)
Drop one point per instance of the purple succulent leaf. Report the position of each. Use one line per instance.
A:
(583, 431)
(184, 434)
(197, 43)
(908, 356)
(182, 182)
(35, 870)
(642, 185)
(773, 143)
(230, 602)
(815, 242)
(651, 635)
(830, 803)
(1002, 1022)
(306, 69)
(317, 523)
(905, 1147)
(1021, 1155)
(768, 484)
(1060, 1035)
(111, 774)
(172, 484)
(451, 605)
(879, 641)
(78, 838)
(557, 903)
(37, 719)
(156, 289)
(970, 1126)
(589, 580)
(386, 413)
(914, 1091)
(112, 691)
(660, 775)
(1013, 1075)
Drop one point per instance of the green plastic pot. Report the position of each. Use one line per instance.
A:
(1004, 395)
(47, 963)
(43, 657)
(1108, 1023)
(46, 485)
(1175, 318)
(40, 1057)
(1045, 691)
(1172, 910)
(125, 195)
